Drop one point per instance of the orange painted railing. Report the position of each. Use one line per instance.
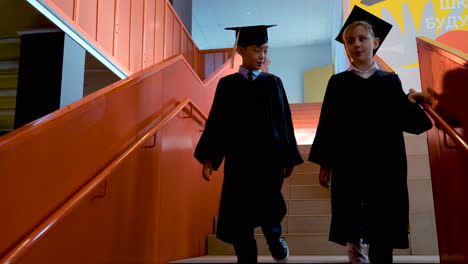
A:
(42, 230)
(153, 207)
(444, 125)
(383, 65)
(133, 34)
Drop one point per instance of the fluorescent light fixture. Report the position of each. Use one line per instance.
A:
(76, 35)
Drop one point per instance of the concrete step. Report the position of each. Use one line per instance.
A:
(7, 119)
(303, 224)
(307, 121)
(9, 65)
(299, 244)
(8, 81)
(305, 191)
(308, 224)
(306, 259)
(306, 116)
(304, 148)
(7, 102)
(306, 106)
(304, 178)
(307, 167)
(305, 156)
(305, 125)
(9, 49)
(318, 206)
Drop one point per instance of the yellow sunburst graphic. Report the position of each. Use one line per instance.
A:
(442, 10)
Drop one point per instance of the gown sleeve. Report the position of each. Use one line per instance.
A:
(322, 146)
(414, 119)
(292, 156)
(210, 147)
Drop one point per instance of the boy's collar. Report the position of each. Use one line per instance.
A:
(244, 71)
(373, 67)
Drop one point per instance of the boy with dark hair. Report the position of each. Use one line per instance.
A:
(250, 127)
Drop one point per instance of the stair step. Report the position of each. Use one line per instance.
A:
(308, 224)
(8, 67)
(305, 125)
(8, 92)
(307, 178)
(7, 102)
(321, 206)
(310, 131)
(301, 244)
(305, 138)
(304, 148)
(311, 121)
(7, 119)
(9, 49)
(305, 191)
(8, 81)
(301, 106)
(319, 259)
(307, 167)
(316, 244)
(303, 224)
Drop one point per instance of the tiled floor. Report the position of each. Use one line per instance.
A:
(307, 259)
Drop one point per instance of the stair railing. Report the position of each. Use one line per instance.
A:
(29, 241)
(445, 126)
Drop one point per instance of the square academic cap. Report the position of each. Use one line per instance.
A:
(251, 35)
(380, 27)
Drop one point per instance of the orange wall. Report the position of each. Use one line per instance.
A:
(213, 59)
(156, 208)
(135, 34)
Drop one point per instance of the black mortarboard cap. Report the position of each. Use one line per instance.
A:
(251, 35)
(380, 27)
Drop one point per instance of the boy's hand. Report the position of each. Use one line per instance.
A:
(324, 177)
(207, 170)
(415, 96)
(288, 171)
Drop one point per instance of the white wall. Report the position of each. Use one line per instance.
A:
(289, 63)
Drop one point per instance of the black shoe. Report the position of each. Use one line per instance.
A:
(279, 250)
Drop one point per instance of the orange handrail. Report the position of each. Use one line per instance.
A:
(454, 135)
(29, 241)
(383, 65)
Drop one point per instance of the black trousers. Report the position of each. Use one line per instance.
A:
(245, 245)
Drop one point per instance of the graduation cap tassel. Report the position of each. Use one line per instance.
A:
(234, 50)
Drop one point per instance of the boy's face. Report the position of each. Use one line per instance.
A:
(253, 56)
(360, 46)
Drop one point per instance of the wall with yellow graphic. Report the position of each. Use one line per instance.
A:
(442, 20)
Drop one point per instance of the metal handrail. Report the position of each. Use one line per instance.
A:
(27, 243)
(444, 125)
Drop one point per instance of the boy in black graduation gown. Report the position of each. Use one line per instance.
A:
(359, 142)
(250, 127)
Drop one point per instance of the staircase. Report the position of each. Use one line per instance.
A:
(9, 56)
(305, 119)
(305, 227)
(307, 223)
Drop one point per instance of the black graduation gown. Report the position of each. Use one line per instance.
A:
(360, 137)
(250, 127)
